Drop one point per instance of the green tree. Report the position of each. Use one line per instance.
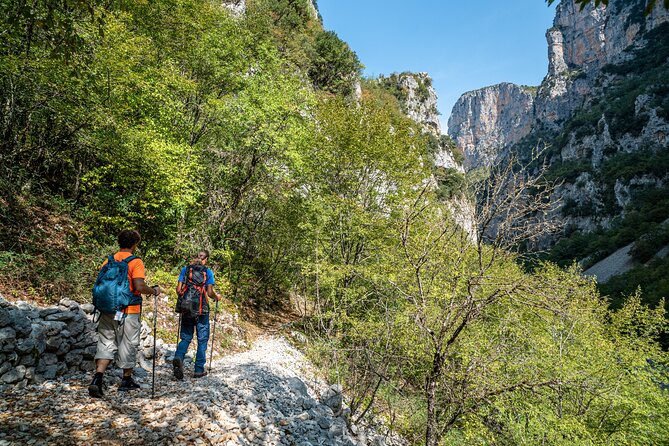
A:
(335, 66)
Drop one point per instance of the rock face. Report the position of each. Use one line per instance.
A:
(602, 105)
(418, 99)
(487, 121)
(580, 44)
(237, 7)
(420, 102)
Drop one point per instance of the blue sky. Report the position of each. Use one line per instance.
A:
(463, 45)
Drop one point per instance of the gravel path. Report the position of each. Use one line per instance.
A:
(268, 395)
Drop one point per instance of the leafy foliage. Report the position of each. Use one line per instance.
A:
(335, 65)
(203, 131)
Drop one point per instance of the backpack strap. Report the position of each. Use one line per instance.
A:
(130, 259)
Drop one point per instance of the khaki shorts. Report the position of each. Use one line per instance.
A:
(119, 342)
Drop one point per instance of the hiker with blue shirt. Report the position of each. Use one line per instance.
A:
(195, 285)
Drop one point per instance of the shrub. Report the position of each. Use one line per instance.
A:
(649, 244)
(335, 65)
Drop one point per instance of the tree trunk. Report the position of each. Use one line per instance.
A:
(431, 431)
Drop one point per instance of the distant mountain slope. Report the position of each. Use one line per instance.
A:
(602, 111)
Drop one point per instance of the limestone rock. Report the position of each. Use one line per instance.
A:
(21, 322)
(14, 375)
(333, 398)
(483, 122)
(5, 318)
(236, 7)
(64, 316)
(298, 386)
(491, 123)
(88, 308)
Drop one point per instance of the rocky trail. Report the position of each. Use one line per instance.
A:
(265, 396)
(268, 395)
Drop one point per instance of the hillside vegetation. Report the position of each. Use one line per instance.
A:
(241, 135)
(629, 95)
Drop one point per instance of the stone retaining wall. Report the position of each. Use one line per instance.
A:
(42, 343)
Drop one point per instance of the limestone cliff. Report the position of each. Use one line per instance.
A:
(580, 44)
(237, 7)
(418, 99)
(602, 109)
(486, 121)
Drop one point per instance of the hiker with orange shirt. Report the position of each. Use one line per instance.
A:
(117, 295)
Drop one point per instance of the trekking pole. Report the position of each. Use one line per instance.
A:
(153, 371)
(178, 334)
(213, 334)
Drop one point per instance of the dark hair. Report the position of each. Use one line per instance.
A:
(128, 238)
(205, 252)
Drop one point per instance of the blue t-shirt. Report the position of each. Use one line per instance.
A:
(210, 276)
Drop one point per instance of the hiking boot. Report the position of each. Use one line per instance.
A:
(127, 383)
(95, 389)
(178, 368)
(200, 374)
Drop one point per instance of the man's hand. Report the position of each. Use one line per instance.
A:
(142, 287)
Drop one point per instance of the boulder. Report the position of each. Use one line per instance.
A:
(49, 372)
(14, 375)
(65, 347)
(21, 322)
(7, 334)
(76, 326)
(338, 427)
(38, 335)
(44, 312)
(321, 410)
(53, 327)
(48, 359)
(5, 318)
(80, 342)
(63, 316)
(74, 357)
(297, 386)
(333, 398)
(87, 366)
(13, 357)
(306, 402)
(5, 367)
(7, 339)
(69, 304)
(28, 360)
(25, 345)
(87, 308)
(324, 423)
(61, 368)
(53, 343)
